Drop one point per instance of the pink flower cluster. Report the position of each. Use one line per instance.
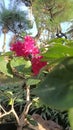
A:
(26, 49)
(37, 64)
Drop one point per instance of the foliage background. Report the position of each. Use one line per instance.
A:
(56, 83)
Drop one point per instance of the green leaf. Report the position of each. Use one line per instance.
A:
(9, 53)
(17, 61)
(9, 93)
(32, 82)
(5, 66)
(58, 51)
(57, 88)
(58, 40)
(22, 66)
(11, 101)
(33, 122)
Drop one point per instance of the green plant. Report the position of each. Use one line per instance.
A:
(20, 65)
(53, 86)
(58, 84)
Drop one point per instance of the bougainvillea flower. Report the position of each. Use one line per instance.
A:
(30, 50)
(26, 48)
(37, 64)
(29, 39)
(30, 47)
(18, 48)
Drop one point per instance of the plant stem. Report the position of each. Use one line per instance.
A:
(27, 93)
(23, 119)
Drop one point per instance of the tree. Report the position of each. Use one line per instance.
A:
(13, 19)
(50, 13)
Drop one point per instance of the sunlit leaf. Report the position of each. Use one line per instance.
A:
(11, 101)
(32, 81)
(9, 93)
(5, 66)
(22, 66)
(58, 51)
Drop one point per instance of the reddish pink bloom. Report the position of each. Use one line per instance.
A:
(29, 39)
(18, 48)
(37, 64)
(25, 49)
(31, 50)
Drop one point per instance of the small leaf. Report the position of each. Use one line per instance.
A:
(5, 66)
(11, 102)
(34, 123)
(27, 64)
(9, 94)
(31, 120)
(32, 82)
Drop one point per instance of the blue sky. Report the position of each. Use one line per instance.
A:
(65, 26)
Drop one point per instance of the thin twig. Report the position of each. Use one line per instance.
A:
(2, 109)
(27, 93)
(15, 114)
(5, 114)
(9, 112)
